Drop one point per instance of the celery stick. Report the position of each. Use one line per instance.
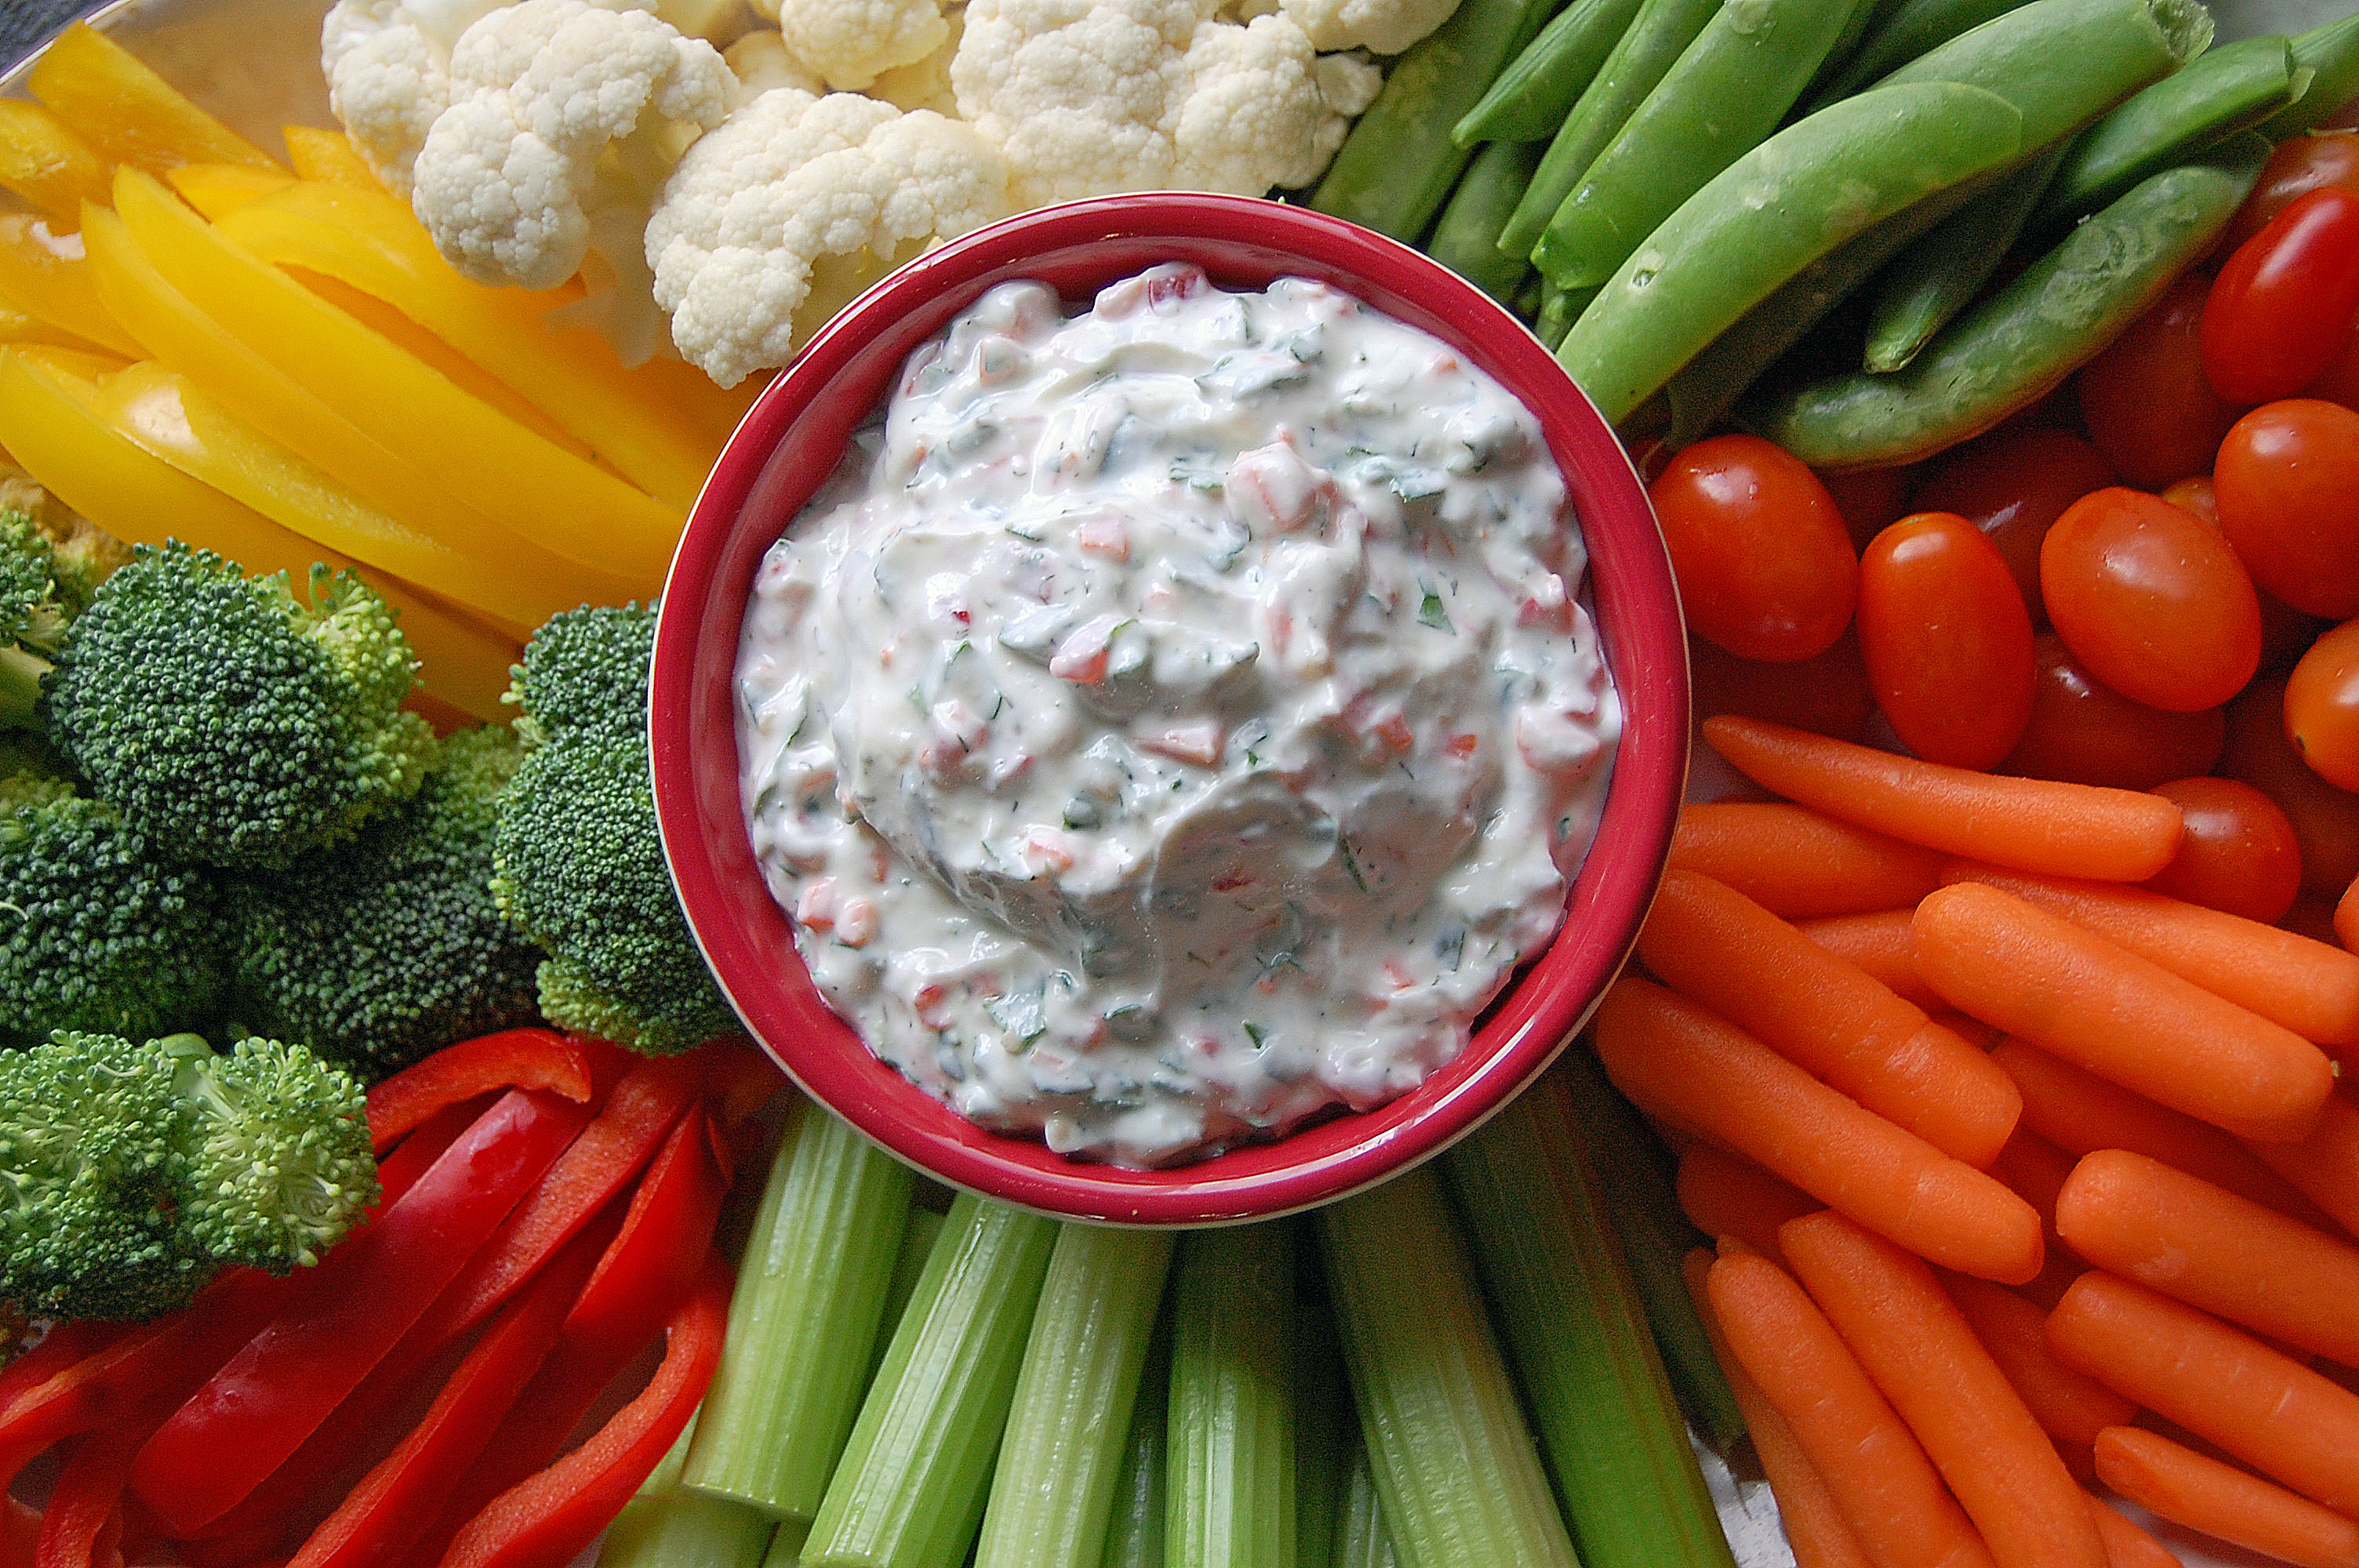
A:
(918, 1238)
(909, 1490)
(809, 1294)
(1458, 1477)
(1361, 1538)
(1134, 1533)
(1607, 1421)
(1069, 1422)
(787, 1544)
(686, 1530)
(1229, 1501)
(1325, 1430)
(1641, 1205)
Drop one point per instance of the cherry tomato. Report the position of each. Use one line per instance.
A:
(2282, 308)
(2084, 733)
(2298, 167)
(2288, 482)
(1826, 693)
(1871, 500)
(2239, 854)
(2286, 632)
(2347, 916)
(2321, 705)
(1947, 640)
(2325, 819)
(1766, 569)
(2012, 484)
(2145, 401)
(2339, 382)
(2154, 602)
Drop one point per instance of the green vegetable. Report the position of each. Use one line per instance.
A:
(1938, 275)
(909, 1491)
(2026, 337)
(1466, 241)
(1531, 97)
(1395, 168)
(1789, 201)
(578, 864)
(2330, 52)
(1361, 1538)
(1912, 28)
(1455, 1467)
(1326, 1429)
(33, 615)
(225, 719)
(1060, 1466)
(664, 1527)
(1134, 1527)
(382, 950)
(1578, 1336)
(1655, 38)
(1229, 1500)
(810, 1296)
(1726, 92)
(1559, 307)
(919, 1234)
(130, 1173)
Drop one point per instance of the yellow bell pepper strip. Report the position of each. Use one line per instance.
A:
(18, 325)
(46, 274)
(526, 485)
(214, 188)
(125, 111)
(373, 242)
(48, 425)
(44, 162)
(327, 156)
(180, 335)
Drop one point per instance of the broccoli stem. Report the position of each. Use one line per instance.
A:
(20, 686)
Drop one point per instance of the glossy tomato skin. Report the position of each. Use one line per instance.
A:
(2325, 818)
(2013, 484)
(1766, 569)
(2239, 853)
(2300, 166)
(1826, 693)
(1947, 640)
(2321, 707)
(2152, 600)
(2082, 732)
(2145, 400)
(2283, 305)
(2286, 632)
(1871, 500)
(2286, 482)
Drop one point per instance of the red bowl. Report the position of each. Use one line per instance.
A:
(788, 444)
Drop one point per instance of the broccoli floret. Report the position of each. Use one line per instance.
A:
(225, 718)
(33, 613)
(97, 932)
(578, 864)
(382, 950)
(129, 1174)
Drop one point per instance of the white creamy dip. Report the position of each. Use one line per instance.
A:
(1175, 720)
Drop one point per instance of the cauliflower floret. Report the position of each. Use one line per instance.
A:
(1383, 27)
(778, 218)
(1088, 96)
(851, 42)
(761, 61)
(542, 94)
(388, 68)
(926, 84)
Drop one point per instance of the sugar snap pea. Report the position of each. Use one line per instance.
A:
(1657, 35)
(1908, 30)
(1727, 90)
(1541, 84)
(2026, 339)
(1938, 275)
(1559, 308)
(2216, 94)
(1466, 239)
(2330, 51)
(1789, 201)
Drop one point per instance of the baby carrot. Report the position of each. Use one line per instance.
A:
(2219, 1382)
(2127, 1546)
(2035, 1170)
(2175, 1482)
(1830, 1018)
(2071, 1407)
(2212, 1249)
(1882, 1481)
(1677, 1059)
(2324, 1165)
(1815, 1526)
(1878, 942)
(2034, 825)
(1728, 1195)
(2081, 1113)
(1918, 1349)
(2093, 1002)
(2306, 985)
(1799, 862)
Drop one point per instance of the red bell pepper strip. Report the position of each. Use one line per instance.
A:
(416, 1154)
(739, 1080)
(360, 1300)
(546, 1520)
(64, 1344)
(81, 1527)
(242, 1551)
(510, 1059)
(20, 1527)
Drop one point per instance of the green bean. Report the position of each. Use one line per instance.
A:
(1789, 201)
(2331, 53)
(1725, 92)
(2025, 340)
(1910, 29)
(1938, 275)
(2216, 95)
(1466, 241)
(1541, 84)
(1657, 35)
(1396, 169)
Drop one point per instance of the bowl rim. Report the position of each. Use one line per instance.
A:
(773, 461)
